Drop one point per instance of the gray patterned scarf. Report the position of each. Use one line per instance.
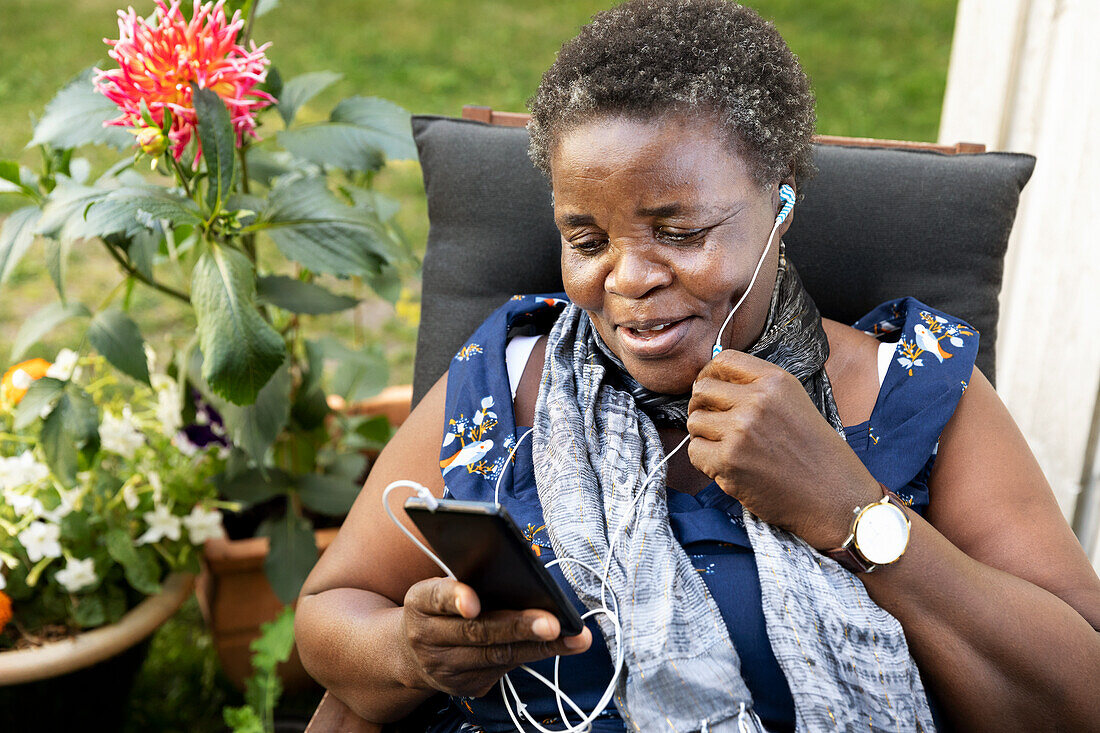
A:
(845, 659)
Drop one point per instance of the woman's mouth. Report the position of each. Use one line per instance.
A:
(652, 338)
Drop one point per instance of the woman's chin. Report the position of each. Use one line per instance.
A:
(664, 380)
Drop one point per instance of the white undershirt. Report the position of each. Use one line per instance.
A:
(518, 352)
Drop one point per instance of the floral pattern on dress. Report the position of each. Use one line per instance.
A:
(926, 343)
(467, 351)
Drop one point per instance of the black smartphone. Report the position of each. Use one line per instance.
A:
(482, 546)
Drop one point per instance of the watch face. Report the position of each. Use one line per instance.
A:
(882, 533)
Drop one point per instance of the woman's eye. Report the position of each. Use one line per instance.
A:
(678, 235)
(588, 246)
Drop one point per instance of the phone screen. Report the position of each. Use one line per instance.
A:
(482, 546)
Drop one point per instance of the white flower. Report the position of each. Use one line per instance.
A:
(168, 404)
(158, 487)
(21, 470)
(3, 582)
(41, 540)
(78, 574)
(64, 366)
(21, 379)
(151, 361)
(203, 525)
(119, 434)
(23, 504)
(63, 509)
(184, 445)
(130, 497)
(162, 523)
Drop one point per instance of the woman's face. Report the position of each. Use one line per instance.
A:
(662, 226)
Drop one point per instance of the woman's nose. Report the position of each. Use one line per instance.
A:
(633, 274)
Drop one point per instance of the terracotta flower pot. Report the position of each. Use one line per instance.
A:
(235, 598)
(233, 592)
(56, 685)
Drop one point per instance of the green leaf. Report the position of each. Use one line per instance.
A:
(219, 145)
(350, 466)
(134, 210)
(115, 335)
(10, 180)
(41, 322)
(388, 124)
(266, 165)
(81, 419)
(375, 431)
(57, 263)
(16, 237)
(378, 204)
(139, 564)
(310, 408)
(242, 719)
(63, 212)
(76, 115)
(240, 349)
(254, 485)
(275, 642)
(293, 554)
(89, 611)
(142, 250)
(331, 495)
(42, 393)
(301, 89)
(312, 227)
(343, 146)
(254, 427)
(387, 284)
(296, 296)
(61, 455)
(360, 373)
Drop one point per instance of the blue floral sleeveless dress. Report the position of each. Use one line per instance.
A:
(928, 373)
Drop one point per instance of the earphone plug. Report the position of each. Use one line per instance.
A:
(786, 195)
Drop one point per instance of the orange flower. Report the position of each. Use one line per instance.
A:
(18, 379)
(5, 610)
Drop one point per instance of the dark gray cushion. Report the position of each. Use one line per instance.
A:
(875, 224)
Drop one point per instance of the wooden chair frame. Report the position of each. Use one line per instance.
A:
(332, 715)
(518, 119)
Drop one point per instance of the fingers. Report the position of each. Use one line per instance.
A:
(443, 597)
(496, 627)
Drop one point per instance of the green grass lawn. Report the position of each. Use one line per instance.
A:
(879, 68)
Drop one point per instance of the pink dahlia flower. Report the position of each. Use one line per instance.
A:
(160, 56)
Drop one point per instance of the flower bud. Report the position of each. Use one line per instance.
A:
(151, 140)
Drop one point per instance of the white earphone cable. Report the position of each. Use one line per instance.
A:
(507, 688)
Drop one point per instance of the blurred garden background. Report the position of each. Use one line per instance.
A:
(879, 69)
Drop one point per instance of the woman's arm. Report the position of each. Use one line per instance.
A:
(998, 601)
(378, 627)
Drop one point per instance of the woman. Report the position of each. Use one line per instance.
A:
(668, 128)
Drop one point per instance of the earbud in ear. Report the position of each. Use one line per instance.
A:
(786, 195)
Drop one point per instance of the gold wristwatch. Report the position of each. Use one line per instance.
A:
(879, 536)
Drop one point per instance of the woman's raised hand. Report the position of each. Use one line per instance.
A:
(756, 432)
(458, 650)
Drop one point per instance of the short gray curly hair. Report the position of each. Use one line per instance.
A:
(648, 57)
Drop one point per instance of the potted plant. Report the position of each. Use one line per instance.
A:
(102, 520)
(252, 224)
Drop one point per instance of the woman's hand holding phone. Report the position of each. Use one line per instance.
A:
(460, 651)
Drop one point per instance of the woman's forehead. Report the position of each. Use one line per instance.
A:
(658, 163)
